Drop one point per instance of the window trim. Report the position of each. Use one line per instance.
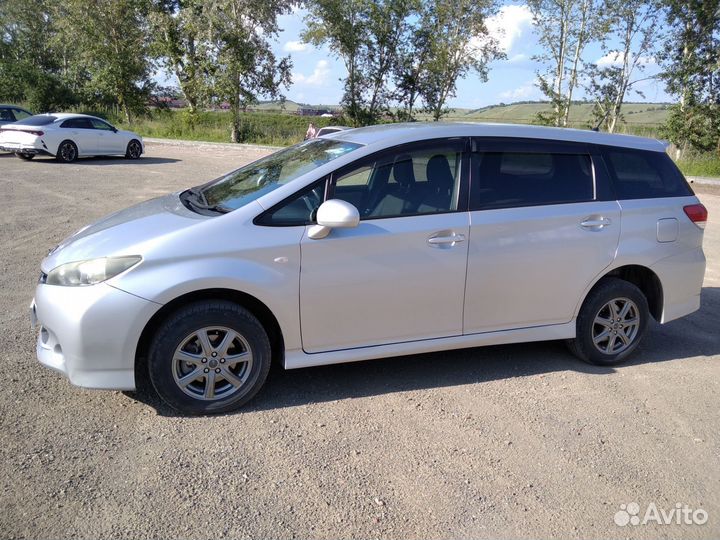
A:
(463, 192)
(522, 145)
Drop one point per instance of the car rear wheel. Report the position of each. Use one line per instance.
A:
(67, 152)
(209, 357)
(134, 150)
(611, 323)
(24, 155)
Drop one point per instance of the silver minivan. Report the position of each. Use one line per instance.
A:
(375, 242)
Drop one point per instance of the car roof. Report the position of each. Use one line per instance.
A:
(418, 131)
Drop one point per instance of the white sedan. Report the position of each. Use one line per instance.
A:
(68, 137)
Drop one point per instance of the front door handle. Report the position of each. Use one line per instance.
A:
(595, 223)
(446, 239)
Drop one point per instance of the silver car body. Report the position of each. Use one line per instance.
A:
(104, 140)
(380, 289)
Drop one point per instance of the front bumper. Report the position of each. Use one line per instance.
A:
(90, 334)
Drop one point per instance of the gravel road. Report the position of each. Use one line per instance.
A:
(517, 441)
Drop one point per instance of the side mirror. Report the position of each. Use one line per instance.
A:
(334, 214)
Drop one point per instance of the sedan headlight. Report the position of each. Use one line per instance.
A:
(91, 271)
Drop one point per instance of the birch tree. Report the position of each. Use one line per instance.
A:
(634, 27)
(564, 28)
(458, 43)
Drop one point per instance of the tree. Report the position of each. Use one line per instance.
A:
(564, 28)
(458, 42)
(365, 35)
(413, 54)
(110, 44)
(634, 26)
(30, 70)
(691, 61)
(178, 30)
(240, 64)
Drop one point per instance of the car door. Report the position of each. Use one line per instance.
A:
(400, 274)
(544, 224)
(81, 132)
(109, 142)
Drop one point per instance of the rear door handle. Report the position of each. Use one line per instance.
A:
(595, 223)
(446, 240)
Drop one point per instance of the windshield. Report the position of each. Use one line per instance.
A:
(38, 120)
(248, 183)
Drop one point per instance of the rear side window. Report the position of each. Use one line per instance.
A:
(77, 123)
(641, 174)
(514, 179)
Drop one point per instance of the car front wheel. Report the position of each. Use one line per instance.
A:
(209, 357)
(611, 323)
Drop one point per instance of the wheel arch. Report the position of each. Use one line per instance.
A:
(644, 279)
(249, 302)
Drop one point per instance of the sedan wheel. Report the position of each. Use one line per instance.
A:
(67, 152)
(134, 150)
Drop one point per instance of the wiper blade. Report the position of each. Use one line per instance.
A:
(199, 201)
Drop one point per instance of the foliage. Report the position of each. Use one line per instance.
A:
(634, 25)
(691, 59)
(564, 27)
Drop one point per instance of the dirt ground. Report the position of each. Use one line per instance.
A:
(517, 441)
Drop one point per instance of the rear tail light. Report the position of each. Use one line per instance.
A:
(38, 133)
(697, 213)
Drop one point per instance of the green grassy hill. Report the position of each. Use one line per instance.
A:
(640, 118)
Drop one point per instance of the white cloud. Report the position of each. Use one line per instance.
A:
(295, 46)
(614, 58)
(318, 77)
(508, 25)
(527, 91)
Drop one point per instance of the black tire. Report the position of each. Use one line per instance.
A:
(134, 149)
(26, 157)
(619, 337)
(67, 152)
(172, 337)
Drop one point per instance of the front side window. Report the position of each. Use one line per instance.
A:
(515, 179)
(248, 183)
(410, 181)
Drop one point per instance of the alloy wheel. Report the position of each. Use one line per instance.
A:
(616, 326)
(212, 363)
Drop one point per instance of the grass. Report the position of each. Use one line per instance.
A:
(256, 128)
(702, 165)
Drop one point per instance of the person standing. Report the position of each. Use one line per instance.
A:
(311, 132)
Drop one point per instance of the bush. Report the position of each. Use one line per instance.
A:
(700, 165)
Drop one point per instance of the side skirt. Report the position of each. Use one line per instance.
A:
(298, 358)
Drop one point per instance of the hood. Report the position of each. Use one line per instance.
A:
(127, 232)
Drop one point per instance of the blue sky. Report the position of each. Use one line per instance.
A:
(317, 74)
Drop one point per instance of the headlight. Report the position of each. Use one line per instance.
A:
(90, 272)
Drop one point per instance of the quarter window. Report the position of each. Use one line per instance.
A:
(514, 179)
(640, 174)
(21, 114)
